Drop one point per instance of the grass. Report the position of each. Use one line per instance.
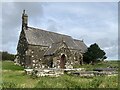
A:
(9, 65)
(64, 81)
(18, 78)
(98, 65)
(14, 77)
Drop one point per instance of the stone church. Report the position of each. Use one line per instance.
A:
(38, 48)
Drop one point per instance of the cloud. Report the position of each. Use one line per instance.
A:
(110, 46)
(89, 21)
(92, 22)
(11, 21)
(53, 25)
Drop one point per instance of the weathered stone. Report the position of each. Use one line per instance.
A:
(38, 48)
(28, 71)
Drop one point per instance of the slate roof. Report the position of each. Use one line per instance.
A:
(52, 49)
(81, 45)
(36, 36)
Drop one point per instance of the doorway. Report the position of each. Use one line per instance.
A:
(62, 61)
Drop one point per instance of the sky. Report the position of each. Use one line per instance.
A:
(92, 22)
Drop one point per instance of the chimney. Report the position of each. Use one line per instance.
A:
(24, 20)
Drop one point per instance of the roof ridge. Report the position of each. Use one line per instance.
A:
(78, 40)
(48, 31)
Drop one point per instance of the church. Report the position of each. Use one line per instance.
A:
(38, 48)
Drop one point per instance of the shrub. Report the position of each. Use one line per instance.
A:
(7, 56)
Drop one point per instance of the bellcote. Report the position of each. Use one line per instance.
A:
(24, 20)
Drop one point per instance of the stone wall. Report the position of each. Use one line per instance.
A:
(36, 55)
(32, 56)
(21, 48)
(72, 57)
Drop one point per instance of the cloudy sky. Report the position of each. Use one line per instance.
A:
(94, 22)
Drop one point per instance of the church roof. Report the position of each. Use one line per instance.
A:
(81, 45)
(36, 36)
(52, 49)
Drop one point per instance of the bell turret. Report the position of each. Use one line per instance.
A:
(24, 20)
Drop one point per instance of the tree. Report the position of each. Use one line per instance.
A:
(94, 54)
(7, 56)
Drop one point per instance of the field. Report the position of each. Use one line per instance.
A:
(13, 76)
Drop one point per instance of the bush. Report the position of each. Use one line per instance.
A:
(7, 56)
(94, 54)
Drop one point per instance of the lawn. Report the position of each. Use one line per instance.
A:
(14, 77)
(8, 65)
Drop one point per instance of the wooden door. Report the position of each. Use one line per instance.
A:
(62, 61)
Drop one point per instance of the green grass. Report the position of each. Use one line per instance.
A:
(98, 65)
(14, 77)
(9, 65)
(19, 80)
